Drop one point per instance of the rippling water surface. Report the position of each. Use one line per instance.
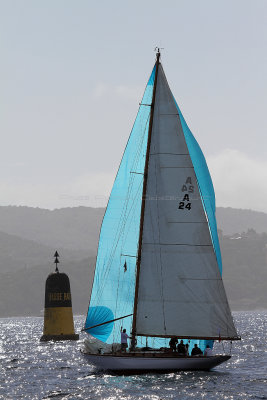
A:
(33, 370)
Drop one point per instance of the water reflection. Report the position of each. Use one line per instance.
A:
(34, 370)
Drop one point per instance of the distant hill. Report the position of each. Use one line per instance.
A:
(78, 227)
(29, 237)
(71, 228)
(245, 270)
(244, 274)
(18, 253)
(233, 220)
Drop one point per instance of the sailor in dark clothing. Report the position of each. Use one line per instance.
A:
(181, 348)
(196, 351)
(172, 343)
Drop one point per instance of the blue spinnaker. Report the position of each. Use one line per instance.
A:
(114, 280)
(98, 318)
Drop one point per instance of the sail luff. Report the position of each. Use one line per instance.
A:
(138, 263)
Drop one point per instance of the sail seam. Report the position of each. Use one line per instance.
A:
(187, 222)
(169, 114)
(180, 244)
(176, 167)
(172, 154)
(200, 279)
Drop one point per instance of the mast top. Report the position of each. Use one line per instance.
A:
(158, 54)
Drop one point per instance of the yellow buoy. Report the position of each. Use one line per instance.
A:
(58, 316)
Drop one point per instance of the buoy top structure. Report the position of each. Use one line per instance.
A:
(58, 316)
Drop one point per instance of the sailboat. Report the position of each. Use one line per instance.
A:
(158, 268)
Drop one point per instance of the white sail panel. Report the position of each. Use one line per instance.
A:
(180, 288)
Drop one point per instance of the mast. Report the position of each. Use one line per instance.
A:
(138, 263)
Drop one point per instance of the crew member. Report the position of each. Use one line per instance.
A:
(196, 351)
(181, 348)
(208, 351)
(124, 343)
(172, 343)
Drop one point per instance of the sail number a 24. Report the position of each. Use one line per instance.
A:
(186, 189)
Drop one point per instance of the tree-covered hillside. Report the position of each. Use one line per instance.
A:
(29, 238)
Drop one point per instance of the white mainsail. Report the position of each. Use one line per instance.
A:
(180, 292)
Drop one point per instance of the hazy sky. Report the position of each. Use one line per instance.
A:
(73, 73)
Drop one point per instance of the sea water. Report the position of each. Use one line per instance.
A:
(33, 370)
